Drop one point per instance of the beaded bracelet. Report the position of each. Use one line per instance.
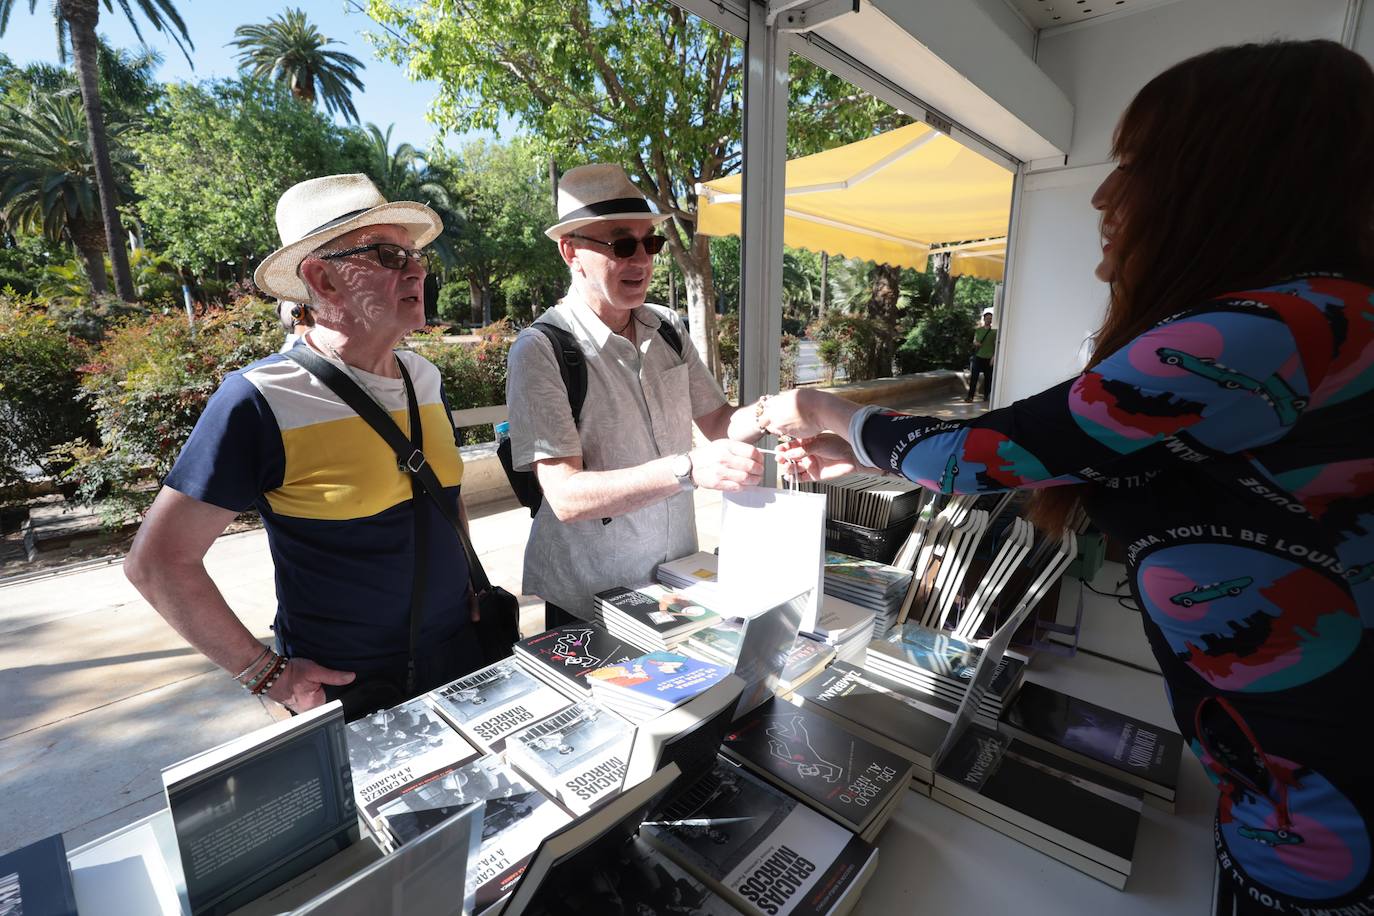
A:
(253, 664)
(272, 677)
(252, 683)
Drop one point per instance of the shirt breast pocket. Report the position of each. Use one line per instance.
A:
(670, 409)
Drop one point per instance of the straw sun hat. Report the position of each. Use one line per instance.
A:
(315, 211)
(593, 193)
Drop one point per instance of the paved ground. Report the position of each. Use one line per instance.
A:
(100, 694)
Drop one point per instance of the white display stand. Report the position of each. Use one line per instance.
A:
(931, 859)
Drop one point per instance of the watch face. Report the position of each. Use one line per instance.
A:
(682, 466)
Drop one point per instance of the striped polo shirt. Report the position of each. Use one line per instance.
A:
(337, 509)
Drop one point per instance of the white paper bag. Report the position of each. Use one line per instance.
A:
(772, 548)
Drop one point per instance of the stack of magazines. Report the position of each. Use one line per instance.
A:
(939, 666)
(870, 500)
(564, 656)
(869, 584)
(652, 615)
(694, 569)
(646, 687)
(845, 627)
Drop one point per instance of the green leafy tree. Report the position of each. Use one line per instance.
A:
(48, 176)
(216, 161)
(646, 85)
(503, 192)
(289, 49)
(76, 21)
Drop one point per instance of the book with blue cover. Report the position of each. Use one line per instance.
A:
(655, 683)
(36, 879)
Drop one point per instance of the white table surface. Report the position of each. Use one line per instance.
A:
(933, 859)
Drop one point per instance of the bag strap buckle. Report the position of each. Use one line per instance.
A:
(414, 463)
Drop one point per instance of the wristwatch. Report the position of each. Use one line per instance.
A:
(682, 470)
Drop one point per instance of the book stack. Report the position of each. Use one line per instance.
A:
(759, 848)
(854, 783)
(653, 616)
(875, 710)
(693, 569)
(645, 687)
(721, 644)
(938, 667)
(564, 656)
(845, 627)
(1137, 753)
(870, 500)
(577, 756)
(876, 586)
(393, 750)
(516, 818)
(1067, 812)
(488, 705)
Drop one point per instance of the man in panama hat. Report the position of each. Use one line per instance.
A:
(617, 483)
(338, 510)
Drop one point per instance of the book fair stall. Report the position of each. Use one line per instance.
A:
(858, 732)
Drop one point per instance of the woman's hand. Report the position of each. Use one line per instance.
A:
(804, 412)
(822, 457)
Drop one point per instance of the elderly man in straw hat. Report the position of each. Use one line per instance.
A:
(618, 483)
(338, 510)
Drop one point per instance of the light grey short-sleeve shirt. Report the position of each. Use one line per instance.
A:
(641, 401)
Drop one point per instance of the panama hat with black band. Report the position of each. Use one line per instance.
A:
(311, 213)
(596, 193)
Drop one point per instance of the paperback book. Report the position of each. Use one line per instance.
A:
(35, 879)
(653, 615)
(855, 783)
(654, 683)
(762, 850)
(806, 659)
(873, 710)
(1067, 812)
(578, 756)
(564, 656)
(392, 749)
(515, 820)
(1138, 753)
(488, 705)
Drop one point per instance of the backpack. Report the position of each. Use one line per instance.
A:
(573, 368)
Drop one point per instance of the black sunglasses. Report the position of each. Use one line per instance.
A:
(394, 257)
(626, 247)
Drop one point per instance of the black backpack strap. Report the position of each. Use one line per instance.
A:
(571, 365)
(670, 336)
(410, 457)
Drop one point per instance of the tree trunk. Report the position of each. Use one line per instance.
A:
(81, 17)
(695, 263)
(882, 307)
(943, 294)
(88, 237)
(474, 300)
(825, 286)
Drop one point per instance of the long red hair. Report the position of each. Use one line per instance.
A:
(1243, 166)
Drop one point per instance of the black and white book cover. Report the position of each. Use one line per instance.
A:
(566, 655)
(488, 705)
(820, 762)
(767, 852)
(636, 880)
(578, 756)
(660, 613)
(516, 818)
(889, 717)
(1143, 754)
(35, 880)
(392, 748)
(1051, 799)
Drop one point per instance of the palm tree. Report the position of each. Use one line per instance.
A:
(290, 49)
(48, 181)
(76, 20)
(405, 174)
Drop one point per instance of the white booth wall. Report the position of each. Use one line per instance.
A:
(1053, 302)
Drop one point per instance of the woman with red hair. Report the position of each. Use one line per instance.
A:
(1224, 433)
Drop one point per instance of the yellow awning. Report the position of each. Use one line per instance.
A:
(890, 199)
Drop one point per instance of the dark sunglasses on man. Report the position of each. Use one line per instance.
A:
(393, 257)
(626, 247)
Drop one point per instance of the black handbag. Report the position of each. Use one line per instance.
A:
(499, 610)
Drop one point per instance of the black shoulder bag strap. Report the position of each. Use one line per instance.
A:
(410, 458)
(571, 365)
